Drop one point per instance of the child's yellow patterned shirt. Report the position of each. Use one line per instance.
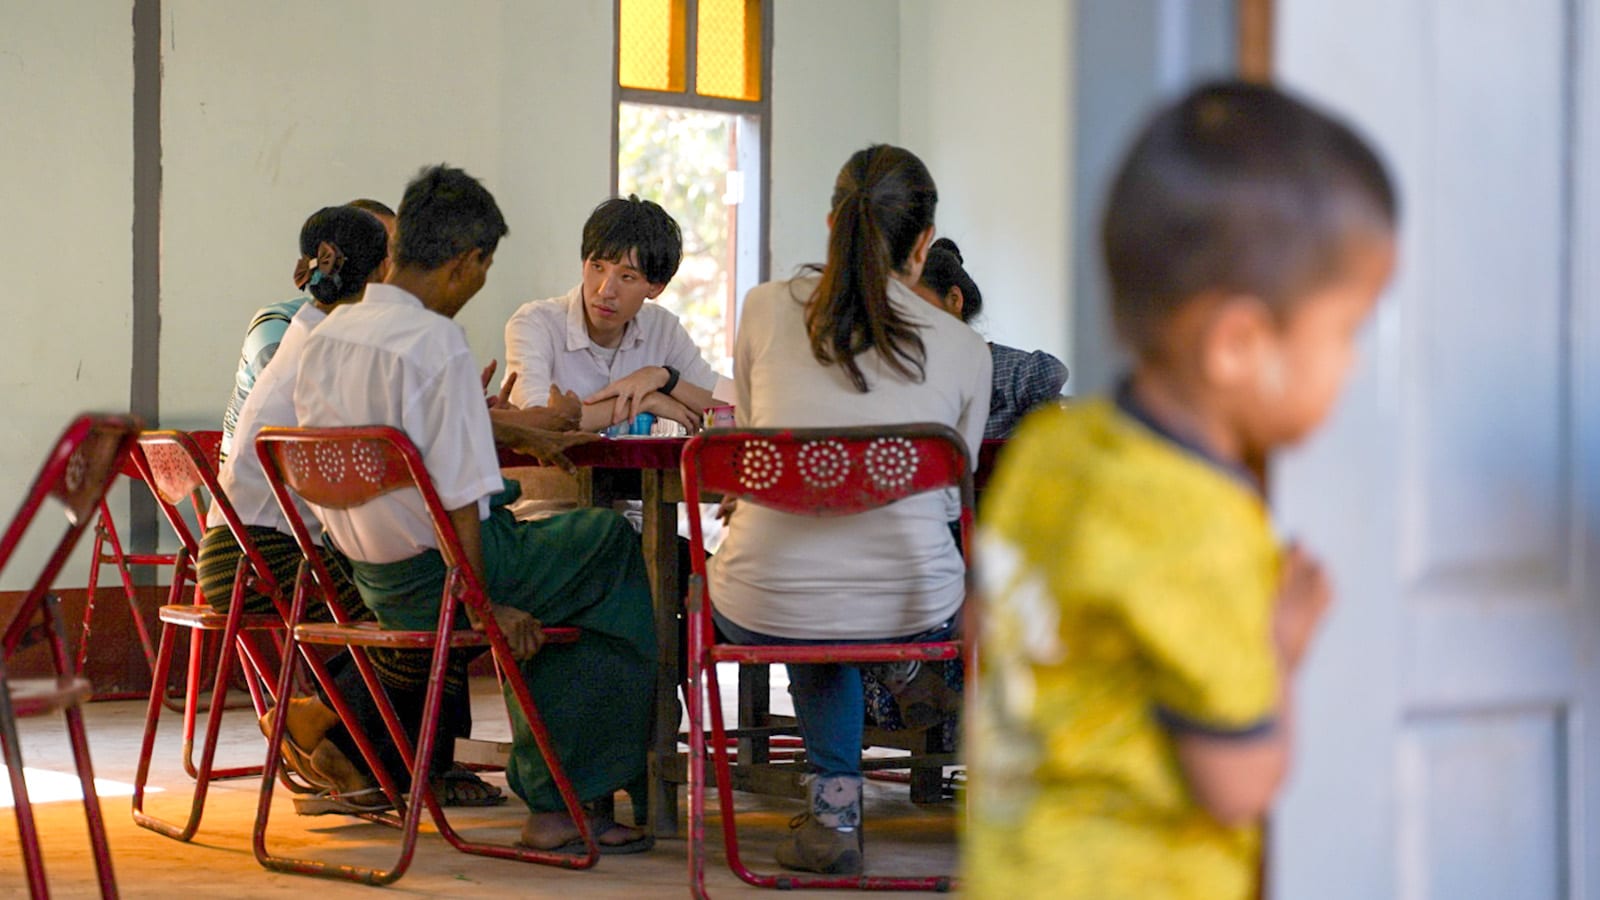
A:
(1129, 585)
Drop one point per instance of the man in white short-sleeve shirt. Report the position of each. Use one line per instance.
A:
(603, 340)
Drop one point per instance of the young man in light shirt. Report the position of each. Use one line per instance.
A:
(399, 359)
(621, 354)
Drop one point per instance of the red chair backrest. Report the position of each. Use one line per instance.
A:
(342, 468)
(177, 465)
(827, 471)
(79, 470)
(209, 442)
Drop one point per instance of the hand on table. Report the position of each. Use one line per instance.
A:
(567, 406)
(628, 393)
(663, 406)
(542, 444)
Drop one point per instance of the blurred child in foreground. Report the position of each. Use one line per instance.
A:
(1145, 624)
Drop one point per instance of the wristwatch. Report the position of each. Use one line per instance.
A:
(672, 380)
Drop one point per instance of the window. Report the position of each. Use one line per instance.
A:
(691, 134)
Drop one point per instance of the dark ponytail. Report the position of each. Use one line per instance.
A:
(944, 270)
(883, 201)
(340, 248)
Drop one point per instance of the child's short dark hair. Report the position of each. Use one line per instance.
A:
(619, 225)
(1238, 188)
(445, 212)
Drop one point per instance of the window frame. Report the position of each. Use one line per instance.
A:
(760, 110)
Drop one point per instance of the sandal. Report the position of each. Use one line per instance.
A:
(367, 800)
(460, 786)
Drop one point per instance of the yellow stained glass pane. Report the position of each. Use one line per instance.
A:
(727, 58)
(650, 37)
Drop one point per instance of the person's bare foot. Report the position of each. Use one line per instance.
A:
(552, 831)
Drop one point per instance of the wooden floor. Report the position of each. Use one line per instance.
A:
(901, 838)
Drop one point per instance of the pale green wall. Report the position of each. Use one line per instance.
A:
(66, 209)
(835, 89)
(263, 124)
(986, 102)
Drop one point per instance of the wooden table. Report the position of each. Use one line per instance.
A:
(646, 469)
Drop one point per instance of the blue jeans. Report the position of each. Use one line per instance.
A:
(828, 700)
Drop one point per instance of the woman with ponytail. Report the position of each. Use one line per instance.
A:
(847, 345)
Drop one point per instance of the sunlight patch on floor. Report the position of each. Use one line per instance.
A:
(45, 786)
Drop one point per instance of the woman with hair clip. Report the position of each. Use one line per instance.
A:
(342, 249)
(1022, 380)
(851, 344)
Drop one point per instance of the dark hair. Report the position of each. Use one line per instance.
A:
(619, 226)
(943, 271)
(359, 246)
(883, 201)
(1238, 188)
(445, 212)
(376, 207)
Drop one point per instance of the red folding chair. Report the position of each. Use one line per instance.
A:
(177, 469)
(810, 472)
(77, 473)
(108, 551)
(342, 468)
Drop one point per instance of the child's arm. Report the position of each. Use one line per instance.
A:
(1236, 778)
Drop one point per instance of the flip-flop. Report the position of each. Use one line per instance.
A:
(445, 786)
(370, 800)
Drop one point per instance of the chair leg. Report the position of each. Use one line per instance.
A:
(80, 752)
(927, 781)
(203, 773)
(697, 777)
(507, 666)
(90, 591)
(270, 770)
(27, 830)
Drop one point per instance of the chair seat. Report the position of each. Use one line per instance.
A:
(827, 653)
(207, 618)
(371, 634)
(37, 696)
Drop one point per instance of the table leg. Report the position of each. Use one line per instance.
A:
(661, 558)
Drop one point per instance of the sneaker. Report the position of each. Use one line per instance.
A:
(814, 847)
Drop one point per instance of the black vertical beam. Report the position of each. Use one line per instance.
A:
(144, 395)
